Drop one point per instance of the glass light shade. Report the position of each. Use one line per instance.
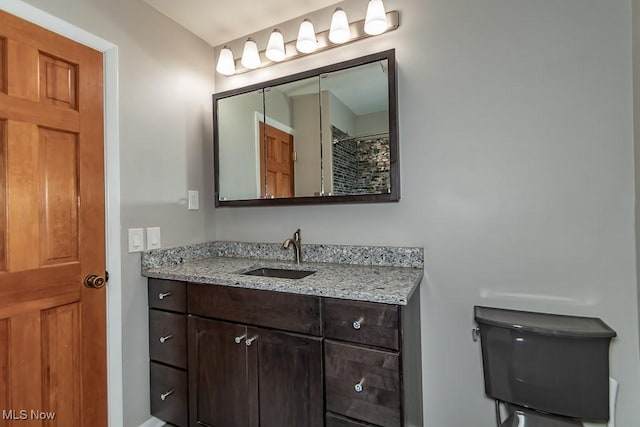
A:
(376, 21)
(226, 64)
(250, 56)
(307, 41)
(339, 31)
(275, 47)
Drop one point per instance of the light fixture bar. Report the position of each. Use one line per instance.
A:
(357, 32)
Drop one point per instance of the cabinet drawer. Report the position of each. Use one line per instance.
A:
(169, 394)
(361, 322)
(167, 295)
(376, 371)
(333, 420)
(278, 310)
(167, 338)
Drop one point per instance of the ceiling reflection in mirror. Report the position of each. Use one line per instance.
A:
(317, 138)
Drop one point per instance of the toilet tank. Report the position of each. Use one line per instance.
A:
(552, 363)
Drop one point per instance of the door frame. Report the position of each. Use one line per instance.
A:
(112, 189)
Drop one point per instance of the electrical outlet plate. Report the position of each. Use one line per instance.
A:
(136, 240)
(153, 238)
(194, 200)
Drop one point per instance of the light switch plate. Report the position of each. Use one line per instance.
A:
(194, 200)
(136, 240)
(153, 238)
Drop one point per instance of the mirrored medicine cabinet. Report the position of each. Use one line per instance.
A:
(328, 135)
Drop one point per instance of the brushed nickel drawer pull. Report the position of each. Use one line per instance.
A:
(358, 324)
(164, 396)
(250, 340)
(358, 387)
(163, 295)
(239, 339)
(166, 338)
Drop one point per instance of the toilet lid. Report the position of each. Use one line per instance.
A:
(544, 323)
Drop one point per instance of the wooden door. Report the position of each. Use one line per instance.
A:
(276, 162)
(52, 328)
(217, 373)
(285, 379)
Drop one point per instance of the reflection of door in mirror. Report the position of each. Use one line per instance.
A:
(276, 162)
(294, 107)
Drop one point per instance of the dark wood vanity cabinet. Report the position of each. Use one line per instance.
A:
(271, 359)
(245, 376)
(168, 351)
(372, 363)
(219, 377)
(286, 378)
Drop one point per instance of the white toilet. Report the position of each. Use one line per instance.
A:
(550, 370)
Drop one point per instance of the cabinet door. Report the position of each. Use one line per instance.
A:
(285, 372)
(218, 382)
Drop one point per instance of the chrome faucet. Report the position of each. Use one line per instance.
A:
(297, 245)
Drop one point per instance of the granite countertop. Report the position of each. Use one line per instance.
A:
(363, 282)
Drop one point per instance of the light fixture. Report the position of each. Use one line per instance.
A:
(226, 65)
(307, 41)
(340, 31)
(250, 56)
(275, 48)
(376, 21)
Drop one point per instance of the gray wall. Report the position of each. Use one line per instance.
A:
(166, 80)
(237, 145)
(373, 123)
(516, 155)
(636, 127)
(306, 110)
(339, 115)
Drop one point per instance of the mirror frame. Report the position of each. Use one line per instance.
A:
(394, 179)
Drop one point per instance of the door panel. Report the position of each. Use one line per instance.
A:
(3, 64)
(4, 363)
(23, 195)
(61, 355)
(24, 344)
(58, 158)
(276, 162)
(3, 175)
(58, 80)
(22, 59)
(52, 328)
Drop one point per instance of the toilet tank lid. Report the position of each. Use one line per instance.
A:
(544, 323)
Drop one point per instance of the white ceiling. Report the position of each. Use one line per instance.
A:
(220, 21)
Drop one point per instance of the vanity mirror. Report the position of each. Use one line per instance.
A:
(328, 135)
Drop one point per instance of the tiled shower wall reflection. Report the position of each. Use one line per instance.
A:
(360, 165)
